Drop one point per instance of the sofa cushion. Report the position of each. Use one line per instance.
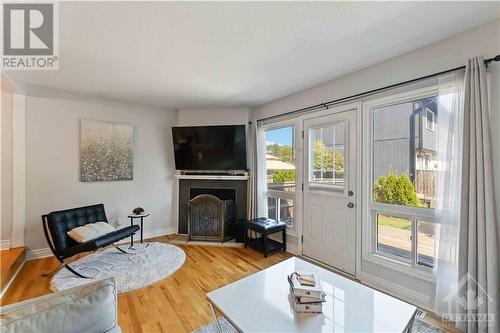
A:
(90, 231)
(90, 308)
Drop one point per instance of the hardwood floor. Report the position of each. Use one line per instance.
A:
(176, 304)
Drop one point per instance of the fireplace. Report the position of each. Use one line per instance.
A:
(190, 187)
(210, 218)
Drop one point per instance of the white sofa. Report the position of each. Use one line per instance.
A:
(92, 308)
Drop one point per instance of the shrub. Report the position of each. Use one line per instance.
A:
(283, 176)
(326, 159)
(394, 189)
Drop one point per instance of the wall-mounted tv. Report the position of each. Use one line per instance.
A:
(210, 147)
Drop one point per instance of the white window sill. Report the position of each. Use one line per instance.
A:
(399, 266)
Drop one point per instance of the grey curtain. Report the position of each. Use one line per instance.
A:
(253, 164)
(479, 250)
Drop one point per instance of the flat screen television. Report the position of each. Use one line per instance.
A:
(217, 148)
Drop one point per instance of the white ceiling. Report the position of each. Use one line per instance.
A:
(180, 54)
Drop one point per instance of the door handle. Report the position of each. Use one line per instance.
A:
(350, 205)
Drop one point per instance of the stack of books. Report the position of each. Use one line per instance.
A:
(306, 293)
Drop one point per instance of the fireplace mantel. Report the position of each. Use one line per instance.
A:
(211, 177)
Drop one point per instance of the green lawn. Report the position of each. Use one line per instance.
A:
(394, 222)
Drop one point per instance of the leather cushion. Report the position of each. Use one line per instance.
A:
(263, 224)
(60, 222)
(90, 308)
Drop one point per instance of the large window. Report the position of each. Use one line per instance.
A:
(402, 178)
(280, 173)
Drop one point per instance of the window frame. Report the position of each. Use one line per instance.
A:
(283, 194)
(371, 208)
(323, 185)
(427, 111)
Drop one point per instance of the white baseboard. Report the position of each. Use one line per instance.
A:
(37, 254)
(5, 244)
(292, 248)
(43, 253)
(157, 232)
(6, 287)
(405, 294)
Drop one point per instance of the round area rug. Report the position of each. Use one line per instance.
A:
(142, 267)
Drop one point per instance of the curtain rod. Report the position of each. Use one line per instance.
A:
(370, 92)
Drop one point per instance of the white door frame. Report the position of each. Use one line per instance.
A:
(357, 107)
(18, 161)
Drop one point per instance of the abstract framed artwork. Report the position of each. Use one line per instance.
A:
(106, 151)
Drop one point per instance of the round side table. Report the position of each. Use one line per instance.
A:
(137, 216)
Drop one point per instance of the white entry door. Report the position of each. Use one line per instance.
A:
(329, 224)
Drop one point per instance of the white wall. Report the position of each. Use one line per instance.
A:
(52, 161)
(449, 53)
(213, 116)
(6, 166)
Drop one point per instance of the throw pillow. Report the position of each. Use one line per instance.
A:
(90, 231)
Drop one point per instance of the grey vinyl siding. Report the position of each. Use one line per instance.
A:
(391, 139)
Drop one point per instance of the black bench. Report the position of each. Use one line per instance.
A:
(57, 224)
(265, 227)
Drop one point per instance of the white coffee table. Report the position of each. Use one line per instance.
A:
(260, 303)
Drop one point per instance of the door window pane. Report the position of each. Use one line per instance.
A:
(394, 235)
(280, 159)
(327, 154)
(405, 153)
(426, 232)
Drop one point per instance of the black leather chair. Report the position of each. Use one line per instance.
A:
(57, 224)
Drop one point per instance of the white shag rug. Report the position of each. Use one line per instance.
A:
(141, 267)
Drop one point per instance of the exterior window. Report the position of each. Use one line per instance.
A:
(280, 173)
(403, 176)
(280, 159)
(272, 212)
(429, 120)
(280, 209)
(327, 155)
(394, 236)
(426, 242)
(404, 162)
